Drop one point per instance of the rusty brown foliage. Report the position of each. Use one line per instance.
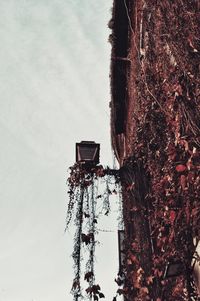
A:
(160, 129)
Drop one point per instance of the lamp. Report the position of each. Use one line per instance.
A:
(174, 269)
(87, 153)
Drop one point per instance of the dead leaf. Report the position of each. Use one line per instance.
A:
(144, 290)
(149, 279)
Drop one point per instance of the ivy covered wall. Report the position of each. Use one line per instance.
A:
(156, 138)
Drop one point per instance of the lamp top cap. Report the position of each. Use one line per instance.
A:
(87, 142)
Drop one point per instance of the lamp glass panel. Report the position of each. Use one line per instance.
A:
(174, 269)
(86, 153)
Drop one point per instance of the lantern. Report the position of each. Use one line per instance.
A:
(174, 269)
(87, 153)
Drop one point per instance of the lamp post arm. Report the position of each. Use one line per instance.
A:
(111, 172)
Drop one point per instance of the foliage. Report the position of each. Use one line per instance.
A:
(161, 179)
(85, 192)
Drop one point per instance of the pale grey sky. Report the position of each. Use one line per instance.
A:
(54, 88)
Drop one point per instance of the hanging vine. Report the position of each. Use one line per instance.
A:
(84, 193)
(77, 248)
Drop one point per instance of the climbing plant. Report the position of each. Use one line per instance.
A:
(87, 188)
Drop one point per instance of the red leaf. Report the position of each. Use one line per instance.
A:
(172, 216)
(133, 259)
(183, 181)
(180, 168)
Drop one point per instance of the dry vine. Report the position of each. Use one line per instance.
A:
(82, 209)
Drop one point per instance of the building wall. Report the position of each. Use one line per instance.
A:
(155, 125)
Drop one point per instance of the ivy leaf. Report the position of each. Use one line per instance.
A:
(149, 279)
(120, 291)
(119, 281)
(89, 290)
(70, 192)
(180, 168)
(133, 259)
(88, 275)
(101, 295)
(187, 212)
(158, 273)
(172, 216)
(91, 236)
(183, 182)
(76, 284)
(130, 187)
(98, 287)
(144, 290)
(86, 215)
(85, 238)
(134, 209)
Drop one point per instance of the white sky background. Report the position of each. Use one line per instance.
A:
(54, 87)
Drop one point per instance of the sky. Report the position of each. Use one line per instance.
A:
(54, 87)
